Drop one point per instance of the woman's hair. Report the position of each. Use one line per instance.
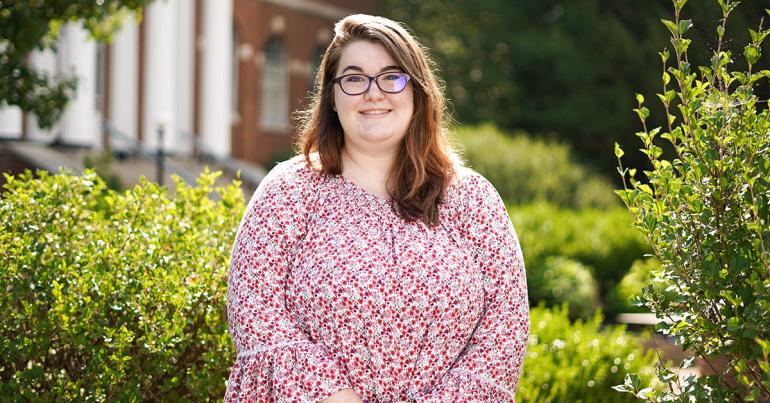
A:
(424, 164)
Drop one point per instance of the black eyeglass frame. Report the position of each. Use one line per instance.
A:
(337, 80)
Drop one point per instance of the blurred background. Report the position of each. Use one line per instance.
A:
(539, 90)
(218, 80)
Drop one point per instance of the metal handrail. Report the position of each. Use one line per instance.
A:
(250, 175)
(137, 149)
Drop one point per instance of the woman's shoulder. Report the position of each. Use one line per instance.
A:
(467, 182)
(294, 171)
(290, 180)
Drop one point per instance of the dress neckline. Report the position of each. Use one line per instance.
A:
(387, 199)
(359, 189)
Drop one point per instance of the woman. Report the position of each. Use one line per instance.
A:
(373, 267)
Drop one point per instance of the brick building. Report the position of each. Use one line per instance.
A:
(221, 77)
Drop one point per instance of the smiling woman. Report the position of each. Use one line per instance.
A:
(374, 266)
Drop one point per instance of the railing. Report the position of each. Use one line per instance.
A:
(250, 175)
(136, 149)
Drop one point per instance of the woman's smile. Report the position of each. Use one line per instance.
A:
(375, 112)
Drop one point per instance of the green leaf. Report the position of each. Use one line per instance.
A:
(684, 25)
(723, 6)
(752, 54)
(764, 344)
(623, 388)
(671, 25)
(618, 150)
(754, 35)
(679, 4)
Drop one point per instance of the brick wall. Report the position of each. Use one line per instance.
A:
(304, 32)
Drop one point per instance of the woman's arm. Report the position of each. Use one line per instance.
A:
(276, 361)
(489, 366)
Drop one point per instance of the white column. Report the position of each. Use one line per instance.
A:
(123, 85)
(185, 75)
(217, 71)
(160, 70)
(10, 122)
(45, 62)
(81, 123)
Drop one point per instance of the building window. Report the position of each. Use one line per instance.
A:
(275, 87)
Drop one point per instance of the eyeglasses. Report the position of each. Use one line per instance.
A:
(391, 82)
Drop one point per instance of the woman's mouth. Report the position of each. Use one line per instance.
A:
(374, 112)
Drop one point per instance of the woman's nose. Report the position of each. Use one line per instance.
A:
(374, 91)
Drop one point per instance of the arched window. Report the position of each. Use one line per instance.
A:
(275, 86)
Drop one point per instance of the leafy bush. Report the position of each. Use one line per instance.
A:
(706, 213)
(114, 296)
(602, 240)
(101, 164)
(561, 279)
(580, 361)
(621, 298)
(525, 170)
(119, 296)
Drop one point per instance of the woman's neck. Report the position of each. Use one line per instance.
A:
(367, 170)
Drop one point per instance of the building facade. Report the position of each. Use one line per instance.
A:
(217, 77)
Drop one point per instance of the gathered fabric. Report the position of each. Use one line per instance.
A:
(330, 289)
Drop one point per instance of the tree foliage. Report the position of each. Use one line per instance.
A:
(706, 213)
(26, 26)
(553, 67)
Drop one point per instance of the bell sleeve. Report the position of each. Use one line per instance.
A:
(275, 360)
(488, 367)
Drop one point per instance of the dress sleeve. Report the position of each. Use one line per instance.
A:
(489, 366)
(275, 360)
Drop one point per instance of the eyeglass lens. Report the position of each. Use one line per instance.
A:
(355, 84)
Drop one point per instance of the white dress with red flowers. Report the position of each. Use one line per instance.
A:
(329, 289)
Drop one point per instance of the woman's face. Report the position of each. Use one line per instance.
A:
(374, 119)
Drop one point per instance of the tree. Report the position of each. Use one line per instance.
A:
(706, 213)
(26, 26)
(552, 67)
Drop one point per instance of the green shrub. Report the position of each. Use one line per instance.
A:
(101, 163)
(602, 240)
(706, 213)
(525, 170)
(114, 296)
(580, 361)
(120, 297)
(621, 299)
(561, 279)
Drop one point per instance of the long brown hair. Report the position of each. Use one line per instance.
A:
(424, 165)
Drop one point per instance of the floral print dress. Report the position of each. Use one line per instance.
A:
(329, 289)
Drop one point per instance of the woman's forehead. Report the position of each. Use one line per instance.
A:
(365, 57)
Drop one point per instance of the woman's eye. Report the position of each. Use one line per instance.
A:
(394, 76)
(354, 79)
